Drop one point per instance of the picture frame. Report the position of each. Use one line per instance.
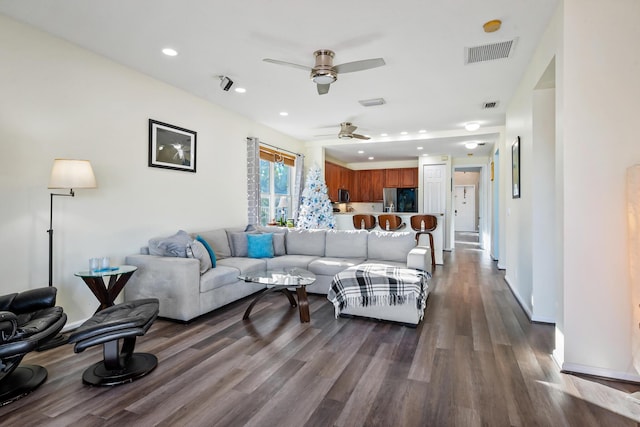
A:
(172, 147)
(516, 190)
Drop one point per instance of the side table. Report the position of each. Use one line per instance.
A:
(106, 295)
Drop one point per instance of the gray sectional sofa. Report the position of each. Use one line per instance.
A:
(185, 291)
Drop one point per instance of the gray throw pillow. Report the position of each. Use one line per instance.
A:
(175, 245)
(239, 244)
(197, 250)
(278, 244)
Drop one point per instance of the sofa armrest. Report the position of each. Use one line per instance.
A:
(419, 258)
(175, 282)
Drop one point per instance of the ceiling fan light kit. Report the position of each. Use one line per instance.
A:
(324, 72)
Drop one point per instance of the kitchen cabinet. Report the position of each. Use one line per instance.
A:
(369, 185)
(401, 177)
(392, 178)
(337, 177)
(408, 177)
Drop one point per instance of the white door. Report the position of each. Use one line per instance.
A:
(435, 189)
(434, 203)
(464, 208)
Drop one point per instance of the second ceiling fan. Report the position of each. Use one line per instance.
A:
(324, 72)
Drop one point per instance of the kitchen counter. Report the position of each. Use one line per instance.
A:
(344, 221)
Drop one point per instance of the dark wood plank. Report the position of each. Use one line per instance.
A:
(475, 359)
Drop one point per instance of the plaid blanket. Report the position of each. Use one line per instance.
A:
(378, 284)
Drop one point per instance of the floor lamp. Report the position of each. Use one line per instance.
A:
(67, 173)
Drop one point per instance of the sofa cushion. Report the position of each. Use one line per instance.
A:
(278, 244)
(390, 246)
(331, 266)
(305, 242)
(301, 261)
(175, 245)
(239, 243)
(217, 277)
(260, 245)
(346, 244)
(245, 266)
(218, 241)
(197, 250)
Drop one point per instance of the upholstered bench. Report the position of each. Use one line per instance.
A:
(380, 291)
(124, 321)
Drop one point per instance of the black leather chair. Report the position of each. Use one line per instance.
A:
(27, 320)
(124, 322)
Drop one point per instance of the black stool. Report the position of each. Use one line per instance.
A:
(124, 321)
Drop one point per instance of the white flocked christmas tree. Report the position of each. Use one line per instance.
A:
(316, 210)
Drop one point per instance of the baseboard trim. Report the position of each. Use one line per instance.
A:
(574, 368)
(519, 299)
(542, 319)
(500, 266)
(71, 326)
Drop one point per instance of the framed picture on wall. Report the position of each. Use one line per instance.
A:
(171, 147)
(515, 169)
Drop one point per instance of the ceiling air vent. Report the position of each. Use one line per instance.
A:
(489, 105)
(488, 52)
(372, 102)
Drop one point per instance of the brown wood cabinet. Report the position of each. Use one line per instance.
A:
(392, 178)
(337, 177)
(366, 185)
(408, 177)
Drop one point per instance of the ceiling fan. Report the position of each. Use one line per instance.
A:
(324, 72)
(346, 132)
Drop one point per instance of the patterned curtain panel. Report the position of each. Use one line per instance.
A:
(253, 180)
(298, 185)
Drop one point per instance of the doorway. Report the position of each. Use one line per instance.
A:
(464, 210)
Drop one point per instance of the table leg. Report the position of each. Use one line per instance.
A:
(116, 286)
(303, 304)
(264, 292)
(96, 285)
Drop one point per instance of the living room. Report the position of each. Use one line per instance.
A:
(61, 100)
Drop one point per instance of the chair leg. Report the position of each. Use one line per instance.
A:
(433, 252)
(119, 366)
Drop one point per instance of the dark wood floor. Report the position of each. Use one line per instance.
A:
(474, 360)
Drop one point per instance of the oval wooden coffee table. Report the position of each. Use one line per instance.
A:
(282, 280)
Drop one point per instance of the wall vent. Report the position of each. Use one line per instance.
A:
(489, 105)
(489, 52)
(372, 102)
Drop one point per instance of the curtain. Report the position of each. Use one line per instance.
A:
(253, 181)
(297, 186)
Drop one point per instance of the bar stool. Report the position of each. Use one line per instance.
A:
(425, 224)
(391, 222)
(364, 222)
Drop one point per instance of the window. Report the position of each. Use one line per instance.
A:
(276, 185)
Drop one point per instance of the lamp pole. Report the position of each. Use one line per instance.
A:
(50, 231)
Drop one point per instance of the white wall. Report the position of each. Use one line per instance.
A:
(601, 93)
(597, 99)
(59, 100)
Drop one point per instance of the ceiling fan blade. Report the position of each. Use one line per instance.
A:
(288, 64)
(322, 89)
(365, 64)
(349, 128)
(355, 135)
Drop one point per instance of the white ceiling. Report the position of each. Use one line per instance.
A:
(425, 82)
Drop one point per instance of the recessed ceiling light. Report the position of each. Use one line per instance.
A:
(169, 52)
(425, 155)
(284, 113)
(471, 145)
(403, 133)
(384, 134)
(240, 90)
(371, 158)
(419, 148)
(472, 126)
(422, 131)
(360, 152)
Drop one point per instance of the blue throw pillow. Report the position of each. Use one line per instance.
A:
(260, 245)
(212, 254)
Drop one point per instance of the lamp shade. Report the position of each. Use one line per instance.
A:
(69, 173)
